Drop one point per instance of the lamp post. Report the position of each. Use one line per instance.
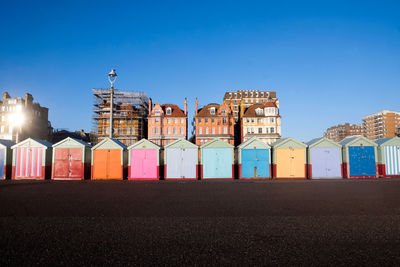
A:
(16, 120)
(112, 76)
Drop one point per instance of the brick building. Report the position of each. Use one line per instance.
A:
(262, 121)
(338, 132)
(214, 121)
(382, 124)
(22, 118)
(166, 123)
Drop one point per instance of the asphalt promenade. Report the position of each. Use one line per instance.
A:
(202, 223)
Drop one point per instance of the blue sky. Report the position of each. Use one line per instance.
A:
(329, 61)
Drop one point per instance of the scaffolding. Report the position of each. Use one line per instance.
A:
(130, 112)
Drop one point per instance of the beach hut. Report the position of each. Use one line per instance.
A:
(254, 159)
(108, 160)
(289, 159)
(389, 157)
(32, 159)
(144, 159)
(71, 160)
(181, 160)
(6, 158)
(324, 159)
(359, 157)
(217, 160)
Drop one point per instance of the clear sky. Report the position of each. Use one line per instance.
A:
(330, 62)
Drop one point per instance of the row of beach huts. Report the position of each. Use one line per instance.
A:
(70, 159)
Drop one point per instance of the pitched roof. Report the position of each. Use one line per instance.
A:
(7, 143)
(251, 111)
(322, 140)
(72, 139)
(351, 139)
(175, 111)
(205, 111)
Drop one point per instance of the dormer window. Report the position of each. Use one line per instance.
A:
(223, 111)
(259, 111)
(169, 111)
(212, 111)
(157, 112)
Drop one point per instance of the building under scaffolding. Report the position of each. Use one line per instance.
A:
(129, 115)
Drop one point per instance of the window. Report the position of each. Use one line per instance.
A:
(200, 130)
(156, 120)
(259, 111)
(266, 130)
(272, 120)
(225, 130)
(212, 111)
(259, 121)
(272, 130)
(181, 130)
(252, 120)
(212, 120)
(175, 120)
(199, 120)
(182, 120)
(133, 130)
(157, 112)
(260, 130)
(128, 131)
(169, 111)
(2, 128)
(206, 120)
(168, 130)
(174, 130)
(248, 120)
(213, 130)
(223, 112)
(206, 130)
(224, 121)
(252, 130)
(248, 130)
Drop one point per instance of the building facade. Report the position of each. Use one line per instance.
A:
(167, 123)
(21, 118)
(262, 121)
(338, 132)
(240, 100)
(382, 124)
(130, 111)
(214, 121)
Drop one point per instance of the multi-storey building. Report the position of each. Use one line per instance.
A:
(21, 118)
(381, 124)
(240, 100)
(338, 132)
(212, 121)
(129, 115)
(166, 123)
(262, 121)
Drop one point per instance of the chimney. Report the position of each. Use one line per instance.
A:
(28, 99)
(185, 106)
(196, 107)
(5, 96)
(150, 105)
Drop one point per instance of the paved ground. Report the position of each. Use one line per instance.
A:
(337, 222)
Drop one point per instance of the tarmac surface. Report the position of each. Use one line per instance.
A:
(231, 223)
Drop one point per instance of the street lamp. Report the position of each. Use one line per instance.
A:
(112, 76)
(16, 120)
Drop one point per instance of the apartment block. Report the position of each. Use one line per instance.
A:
(214, 121)
(382, 124)
(338, 132)
(166, 123)
(262, 121)
(22, 118)
(130, 111)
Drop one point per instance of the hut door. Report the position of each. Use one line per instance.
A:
(61, 163)
(255, 163)
(144, 163)
(325, 162)
(2, 162)
(392, 160)
(75, 163)
(29, 162)
(217, 163)
(292, 165)
(188, 163)
(362, 161)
